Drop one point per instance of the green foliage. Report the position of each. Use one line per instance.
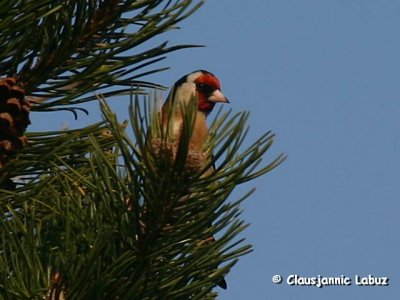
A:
(62, 50)
(99, 212)
(116, 222)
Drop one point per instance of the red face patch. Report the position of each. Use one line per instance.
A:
(209, 80)
(206, 84)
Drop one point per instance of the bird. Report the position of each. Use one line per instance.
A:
(204, 87)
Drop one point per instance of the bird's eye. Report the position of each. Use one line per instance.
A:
(201, 86)
(204, 88)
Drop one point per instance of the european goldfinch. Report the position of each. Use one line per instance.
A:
(206, 87)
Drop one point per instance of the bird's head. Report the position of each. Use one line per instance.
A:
(203, 84)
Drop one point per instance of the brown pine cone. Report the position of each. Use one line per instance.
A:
(14, 118)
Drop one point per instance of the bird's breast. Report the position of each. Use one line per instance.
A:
(199, 133)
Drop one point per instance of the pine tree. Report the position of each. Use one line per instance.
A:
(97, 212)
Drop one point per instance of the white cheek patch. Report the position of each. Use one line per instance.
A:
(185, 93)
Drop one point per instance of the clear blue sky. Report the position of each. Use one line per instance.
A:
(324, 76)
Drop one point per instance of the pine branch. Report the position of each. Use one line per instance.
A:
(112, 222)
(99, 212)
(82, 46)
